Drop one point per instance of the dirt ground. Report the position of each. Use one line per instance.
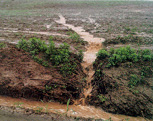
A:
(107, 19)
(21, 76)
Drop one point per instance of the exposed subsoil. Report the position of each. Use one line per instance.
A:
(21, 76)
(115, 94)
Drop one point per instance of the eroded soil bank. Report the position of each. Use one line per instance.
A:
(21, 76)
(12, 58)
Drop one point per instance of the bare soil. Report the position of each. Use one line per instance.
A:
(112, 93)
(21, 76)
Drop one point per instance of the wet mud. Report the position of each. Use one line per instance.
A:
(77, 110)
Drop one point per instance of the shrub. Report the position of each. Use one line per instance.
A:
(37, 59)
(145, 71)
(80, 55)
(34, 45)
(146, 55)
(102, 54)
(124, 54)
(59, 57)
(121, 55)
(67, 68)
(74, 36)
(134, 80)
(45, 63)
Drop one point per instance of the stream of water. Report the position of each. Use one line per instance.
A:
(75, 110)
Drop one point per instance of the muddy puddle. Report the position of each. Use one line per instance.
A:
(79, 110)
(54, 107)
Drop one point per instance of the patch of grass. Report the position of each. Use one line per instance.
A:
(127, 39)
(18, 104)
(39, 110)
(2, 45)
(75, 37)
(68, 102)
(110, 119)
(150, 31)
(102, 98)
(129, 30)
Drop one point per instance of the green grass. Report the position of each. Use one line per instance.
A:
(128, 39)
(39, 110)
(68, 102)
(2, 45)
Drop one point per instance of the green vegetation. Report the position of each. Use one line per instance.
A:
(33, 45)
(102, 98)
(134, 80)
(75, 37)
(102, 54)
(18, 104)
(126, 57)
(39, 110)
(44, 54)
(48, 88)
(124, 54)
(128, 39)
(68, 102)
(129, 30)
(2, 45)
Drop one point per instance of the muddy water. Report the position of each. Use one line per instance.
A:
(54, 107)
(74, 110)
(89, 56)
(34, 32)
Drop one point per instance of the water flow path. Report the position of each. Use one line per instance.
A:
(74, 110)
(94, 45)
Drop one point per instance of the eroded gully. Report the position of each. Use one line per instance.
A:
(75, 110)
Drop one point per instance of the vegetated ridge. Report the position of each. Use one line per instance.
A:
(38, 71)
(123, 81)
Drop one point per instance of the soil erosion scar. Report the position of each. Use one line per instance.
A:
(74, 110)
(94, 46)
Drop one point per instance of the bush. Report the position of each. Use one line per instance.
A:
(75, 37)
(146, 71)
(102, 54)
(80, 55)
(38, 60)
(59, 57)
(146, 55)
(34, 45)
(134, 80)
(124, 54)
